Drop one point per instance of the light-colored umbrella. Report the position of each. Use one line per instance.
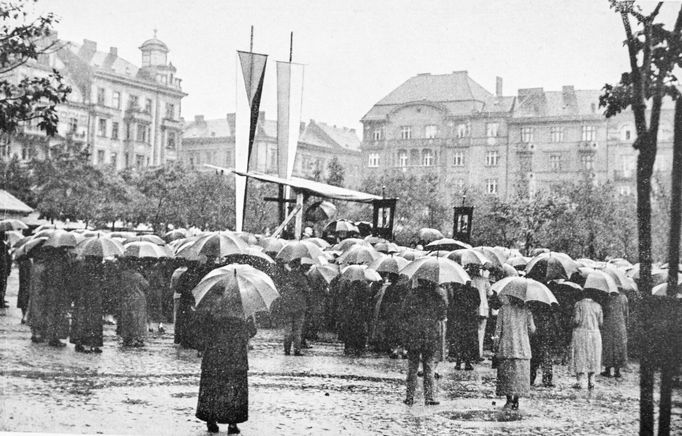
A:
(151, 238)
(389, 264)
(12, 224)
(273, 245)
(429, 235)
(509, 271)
(320, 211)
(446, 244)
(386, 247)
(319, 242)
(353, 273)
(325, 271)
(359, 255)
(466, 257)
(436, 270)
(374, 239)
(213, 245)
(100, 247)
(551, 266)
(618, 275)
(235, 290)
(620, 262)
(299, 250)
(247, 237)
(14, 236)
(496, 258)
(601, 281)
(25, 249)
(344, 226)
(62, 238)
(144, 249)
(349, 242)
(662, 290)
(524, 289)
(518, 261)
(175, 235)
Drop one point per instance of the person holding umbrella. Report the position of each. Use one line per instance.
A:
(464, 303)
(295, 291)
(133, 303)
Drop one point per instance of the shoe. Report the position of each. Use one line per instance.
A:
(605, 374)
(549, 385)
(408, 402)
(432, 403)
(79, 349)
(618, 375)
(458, 367)
(212, 427)
(233, 429)
(95, 350)
(468, 367)
(298, 353)
(56, 343)
(287, 353)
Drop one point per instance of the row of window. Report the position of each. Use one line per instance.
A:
(556, 134)
(133, 102)
(140, 159)
(431, 131)
(140, 132)
(427, 158)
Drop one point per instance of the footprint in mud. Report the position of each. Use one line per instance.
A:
(134, 401)
(483, 415)
(184, 394)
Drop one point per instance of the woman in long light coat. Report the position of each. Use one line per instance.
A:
(586, 345)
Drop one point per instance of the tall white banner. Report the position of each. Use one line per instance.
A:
(289, 105)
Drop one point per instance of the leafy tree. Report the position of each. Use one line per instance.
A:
(335, 172)
(23, 39)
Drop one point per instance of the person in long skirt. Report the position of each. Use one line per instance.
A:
(36, 316)
(586, 345)
(133, 305)
(615, 335)
(58, 282)
(224, 386)
(86, 322)
(463, 312)
(23, 295)
(514, 325)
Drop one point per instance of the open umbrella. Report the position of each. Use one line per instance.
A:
(144, 249)
(349, 242)
(446, 244)
(320, 211)
(601, 281)
(495, 256)
(12, 224)
(299, 250)
(436, 270)
(100, 247)
(319, 242)
(61, 238)
(26, 248)
(662, 290)
(354, 273)
(386, 247)
(272, 245)
(342, 226)
(235, 291)
(551, 266)
(518, 261)
(618, 275)
(389, 264)
(374, 239)
(14, 236)
(359, 255)
(174, 235)
(510, 271)
(247, 237)
(151, 238)
(429, 235)
(466, 257)
(326, 271)
(524, 289)
(213, 245)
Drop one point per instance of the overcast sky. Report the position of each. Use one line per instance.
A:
(357, 51)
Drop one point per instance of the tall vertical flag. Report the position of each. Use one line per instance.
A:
(249, 90)
(289, 104)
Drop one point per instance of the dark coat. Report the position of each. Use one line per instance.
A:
(356, 313)
(133, 306)
(185, 324)
(24, 283)
(423, 310)
(463, 321)
(295, 291)
(223, 388)
(86, 321)
(58, 282)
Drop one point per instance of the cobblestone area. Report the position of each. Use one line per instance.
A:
(153, 390)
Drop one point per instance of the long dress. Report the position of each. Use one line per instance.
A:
(514, 325)
(58, 292)
(614, 333)
(224, 387)
(24, 283)
(86, 322)
(586, 344)
(463, 323)
(133, 307)
(37, 302)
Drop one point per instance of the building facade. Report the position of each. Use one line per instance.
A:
(212, 142)
(451, 126)
(126, 116)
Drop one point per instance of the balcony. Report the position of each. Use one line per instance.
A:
(524, 148)
(170, 123)
(135, 113)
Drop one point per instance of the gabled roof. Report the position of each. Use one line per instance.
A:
(536, 102)
(344, 137)
(219, 128)
(9, 204)
(104, 61)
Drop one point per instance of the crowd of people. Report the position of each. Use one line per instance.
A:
(63, 295)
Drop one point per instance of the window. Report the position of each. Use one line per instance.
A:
(139, 160)
(491, 129)
(587, 161)
(427, 157)
(458, 159)
(462, 130)
(146, 58)
(378, 134)
(589, 133)
(102, 127)
(402, 158)
(132, 102)
(405, 132)
(625, 190)
(113, 160)
(142, 131)
(373, 160)
(101, 96)
(491, 158)
(148, 105)
(459, 185)
(491, 186)
(24, 152)
(73, 125)
(170, 140)
(127, 159)
(100, 157)
(555, 162)
(116, 100)
(114, 130)
(526, 134)
(129, 134)
(431, 131)
(556, 134)
(170, 111)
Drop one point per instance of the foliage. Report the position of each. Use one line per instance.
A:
(24, 38)
(335, 172)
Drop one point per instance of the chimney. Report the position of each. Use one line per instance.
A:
(113, 51)
(89, 45)
(498, 86)
(199, 119)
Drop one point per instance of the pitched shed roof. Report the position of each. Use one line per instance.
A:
(219, 128)
(9, 204)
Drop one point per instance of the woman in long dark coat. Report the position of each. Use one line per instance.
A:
(185, 328)
(58, 290)
(224, 386)
(356, 315)
(86, 322)
(133, 305)
(24, 265)
(463, 307)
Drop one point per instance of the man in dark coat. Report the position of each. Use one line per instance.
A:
(86, 322)
(185, 329)
(58, 281)
(5, 268)
(462, 329)
(423, 310)
(25, 265)
(356, 315)
(294, 303)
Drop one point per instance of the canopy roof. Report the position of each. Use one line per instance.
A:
(9, 204)
(310, 186)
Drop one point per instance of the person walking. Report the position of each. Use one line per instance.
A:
(514, 325)
(615, 335)
(463, 312)
(224, 386)
(294, 295)
(423, 310)
(586, 344)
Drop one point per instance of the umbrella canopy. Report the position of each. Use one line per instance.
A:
(319, 242)
(359, 255)
(411, 254)
(14, 236)
(601, 281)
(213, 245)
(524, 289)
(299, 250)
(235, 291)
(145, 249)
(320, 211)
(589, 263)
(100, 247)
(538, 251)
(386, 247)
(436, 270)
(175, 235)
(42, 227)
(374, 239)
(349, 242)
(151, 238)
(354, 273)
(446, 244)
(272, 245)
(495, 256)
(620, 262)
(247, 237)
(662, 290)
(128, 236)
(12, 224)
(551, 266)
(326, 271)
(618, 275)
(389, 264)
(518, 261)
(61, 238)
(466, 257)
(26, 248)
(22, 241)
(343, 226)
(429, 235)
(509, 271)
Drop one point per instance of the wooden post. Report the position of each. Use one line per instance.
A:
(282, 205)
(298, 229)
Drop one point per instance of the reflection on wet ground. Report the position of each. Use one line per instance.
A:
(154, 390)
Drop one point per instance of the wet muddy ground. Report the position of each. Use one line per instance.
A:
(153, 390)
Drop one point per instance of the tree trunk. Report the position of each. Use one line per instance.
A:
(645, 163)
(668, 369)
